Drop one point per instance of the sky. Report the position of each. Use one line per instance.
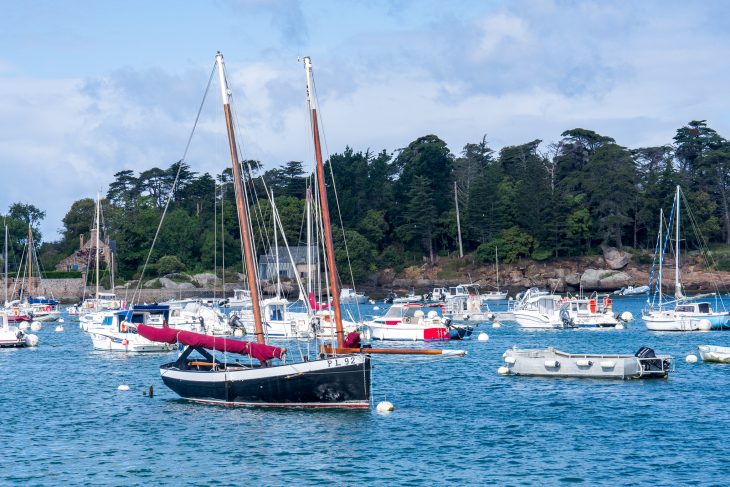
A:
(90, 88)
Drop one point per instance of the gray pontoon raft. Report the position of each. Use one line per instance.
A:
(549, 362)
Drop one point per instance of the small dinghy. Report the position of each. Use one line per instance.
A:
(713, 353)
(554, 363)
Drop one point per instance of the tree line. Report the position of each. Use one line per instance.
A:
(397, 209)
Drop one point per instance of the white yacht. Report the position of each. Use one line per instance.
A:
(12, 337)
(117, 330)
(349, 296)
(537, 310)
(682, 314)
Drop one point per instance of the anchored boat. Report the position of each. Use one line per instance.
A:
(713, 353)
(550, 362)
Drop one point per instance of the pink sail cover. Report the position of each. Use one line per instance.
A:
(171, 335)
(315, 305)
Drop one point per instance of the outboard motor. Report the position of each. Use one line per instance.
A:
(649, 365)
(565, 318)
(235, 322)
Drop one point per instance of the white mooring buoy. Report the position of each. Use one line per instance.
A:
(36, 326)
(385, 407)
(61, 320)
(376, 308)
(503, 370)
(620, 326)
(59, 328)
(483, 337)
(123, 387)
(496, 324)
(626, 316)
(691, 358)
(24, 325)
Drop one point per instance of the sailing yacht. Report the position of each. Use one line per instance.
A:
(333, 381)
(494, 295)
(683, 313)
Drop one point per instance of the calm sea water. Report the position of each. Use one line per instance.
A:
(456, 422)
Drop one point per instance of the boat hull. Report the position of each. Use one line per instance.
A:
(133, 343)
(553, 363)
(409, 333)
(528, 319)
(671, 321)
(711, 353)
(337, 382)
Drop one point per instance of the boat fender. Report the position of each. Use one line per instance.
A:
(30, 340)
(704, 325)
(691, 358)
(608, 364)
(510, 359)
(385, 407)
(123, 327)
(503, 370)
(552, 364)
(125, 342)
(483, 337)
(583, 362)
(16, 312)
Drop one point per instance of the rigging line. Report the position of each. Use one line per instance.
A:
(337, 199)
(174, 185)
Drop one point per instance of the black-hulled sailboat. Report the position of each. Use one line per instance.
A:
(333, 380)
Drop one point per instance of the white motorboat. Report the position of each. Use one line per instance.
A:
(408, 322)
(466, 308)
(411, 298)
(713, 353)
(241, 299)
(199, 318)
(538, 310)
(550, 362)
(349, 296)
(633, 291)
(593, 312)
(12, 337)
(117, 331)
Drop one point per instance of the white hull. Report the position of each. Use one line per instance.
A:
(595, 321)
(671, 321)
(532, 319)
(711, 353)
(407, 332)
(125, 342)
(493, 296)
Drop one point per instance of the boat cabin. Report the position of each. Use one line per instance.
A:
(464, 290)
(409, 313)
(703, 307)
(153, 315)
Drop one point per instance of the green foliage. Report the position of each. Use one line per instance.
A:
(169, 264)
(512, 244)
(62, 275)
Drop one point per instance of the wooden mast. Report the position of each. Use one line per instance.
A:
(324, 207)
(241, 204)
(329, 248)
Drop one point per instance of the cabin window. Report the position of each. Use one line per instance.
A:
(108, 320)
(276, 313)
(704, 307)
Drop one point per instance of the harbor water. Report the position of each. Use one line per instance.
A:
(456, 420)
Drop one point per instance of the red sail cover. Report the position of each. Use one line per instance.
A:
(315, 305)
(171, 335)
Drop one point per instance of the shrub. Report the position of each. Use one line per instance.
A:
(169, 264)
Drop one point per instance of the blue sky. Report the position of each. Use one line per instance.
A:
(88, 88)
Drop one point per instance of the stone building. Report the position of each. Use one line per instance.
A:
(83, 259)
(267, 263)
